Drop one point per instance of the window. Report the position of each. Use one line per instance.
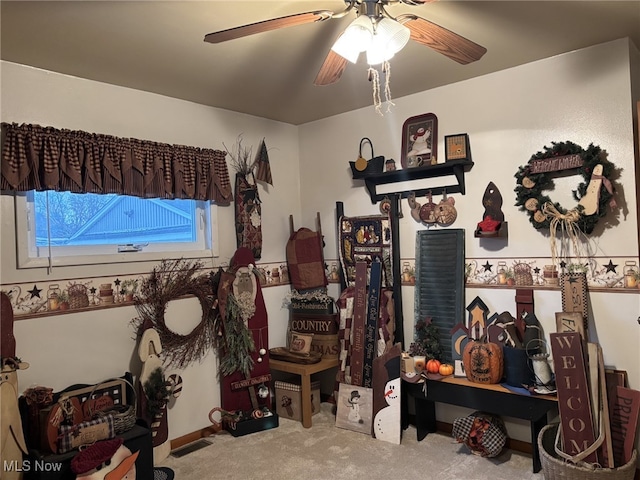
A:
(76, 228)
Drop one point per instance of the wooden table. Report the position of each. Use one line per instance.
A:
(305, 372)
(494, 399)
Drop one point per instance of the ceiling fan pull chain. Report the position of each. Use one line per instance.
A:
(374, 76)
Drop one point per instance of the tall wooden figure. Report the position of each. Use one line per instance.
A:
(148, 349)
(12, 436)
(240, 280)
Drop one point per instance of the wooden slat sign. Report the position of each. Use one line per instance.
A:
(570, 322)
(624, 421)
(250, 382)
(359, 320)
(370, 333)
(573, 394)
(574, 294)
(555, 164)
(323, 324)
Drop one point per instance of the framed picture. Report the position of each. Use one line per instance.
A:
(419, 141)
(355, 408)
(456, 147)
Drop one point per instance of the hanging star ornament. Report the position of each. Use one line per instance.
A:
(610, 267)
(487, 266)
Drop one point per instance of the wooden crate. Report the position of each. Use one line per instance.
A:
(289, 399)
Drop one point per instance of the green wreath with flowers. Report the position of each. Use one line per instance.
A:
(542, 211)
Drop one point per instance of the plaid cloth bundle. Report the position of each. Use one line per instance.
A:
(483, 434)
(85, 433)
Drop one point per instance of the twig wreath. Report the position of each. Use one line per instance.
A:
(536, 176)
(171, 280)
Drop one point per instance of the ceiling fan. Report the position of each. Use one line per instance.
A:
(374, 30)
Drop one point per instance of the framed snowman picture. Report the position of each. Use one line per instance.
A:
(419, 141)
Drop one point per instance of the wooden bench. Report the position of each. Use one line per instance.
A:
(494, 399)
(305, 372)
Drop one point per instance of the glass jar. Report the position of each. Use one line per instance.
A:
(630, 274)
(53, 294)
(502, 273)
(406, 272)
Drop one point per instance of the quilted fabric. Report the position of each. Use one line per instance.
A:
(85, 433)
(305, 260)
(483, 434)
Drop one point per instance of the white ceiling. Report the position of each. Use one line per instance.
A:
(158, 46)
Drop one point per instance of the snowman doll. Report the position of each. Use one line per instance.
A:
(419, 146)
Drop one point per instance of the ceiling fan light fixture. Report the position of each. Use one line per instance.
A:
(389, 38)
(355, 39)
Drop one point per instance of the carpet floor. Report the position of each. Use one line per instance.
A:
(331, 453)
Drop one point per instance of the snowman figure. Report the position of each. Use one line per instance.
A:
(354, 403)
(386, 424)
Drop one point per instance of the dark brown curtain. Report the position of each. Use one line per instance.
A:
(46, 158)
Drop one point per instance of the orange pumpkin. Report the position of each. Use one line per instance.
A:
(433, 366)
(446, 369)
(483, 361)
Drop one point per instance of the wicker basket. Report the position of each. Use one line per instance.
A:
(78, 297)
(124, 416)
(556, 468)
(522, 274)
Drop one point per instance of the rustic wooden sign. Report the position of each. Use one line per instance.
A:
(570, 322)
(250, 382)
(371, 325)
(323, 324)
(574, 294)
(358, 326)
(626, 407)
(574, 402)
(555, 164)
(606, 457)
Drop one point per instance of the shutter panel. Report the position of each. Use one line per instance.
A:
(439, 291)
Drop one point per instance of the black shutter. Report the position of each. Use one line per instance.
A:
(439, 291)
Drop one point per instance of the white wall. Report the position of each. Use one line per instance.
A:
(583, 96)
(87, 348)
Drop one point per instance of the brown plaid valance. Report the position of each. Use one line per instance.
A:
(46, 158)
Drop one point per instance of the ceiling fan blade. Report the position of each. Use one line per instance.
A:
(331, 69)
(442, 40)
(267, 25)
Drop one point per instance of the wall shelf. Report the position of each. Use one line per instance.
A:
(452, 167)
(502, 232)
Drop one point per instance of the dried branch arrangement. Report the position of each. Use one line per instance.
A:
(240, 157)
(171, 280)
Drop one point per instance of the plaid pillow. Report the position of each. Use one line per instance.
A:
(85, 433)
(483, 434)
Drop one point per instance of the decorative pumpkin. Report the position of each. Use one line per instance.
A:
(483, 361)
(433, 366)
(446, 369)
